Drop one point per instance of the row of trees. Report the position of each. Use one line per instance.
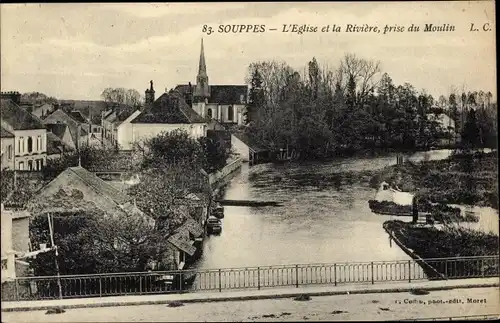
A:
(324, 112)
(170, 166)
(121, 95)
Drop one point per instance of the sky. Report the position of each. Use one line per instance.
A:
(74, 51)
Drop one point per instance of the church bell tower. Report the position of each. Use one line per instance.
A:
(202, 89)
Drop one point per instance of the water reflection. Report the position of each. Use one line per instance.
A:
(325, 216)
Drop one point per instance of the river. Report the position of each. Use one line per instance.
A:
(325, 216)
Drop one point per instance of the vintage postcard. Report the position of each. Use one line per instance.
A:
(194, 162)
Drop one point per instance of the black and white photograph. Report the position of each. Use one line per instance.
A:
(249, 161)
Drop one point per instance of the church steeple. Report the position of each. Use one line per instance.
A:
(202, 67)
(202, 90)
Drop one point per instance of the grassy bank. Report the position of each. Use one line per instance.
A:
(460, 179)
(429, 242)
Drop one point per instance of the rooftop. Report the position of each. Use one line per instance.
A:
(169, 108)
(19, 119)
(5, 134)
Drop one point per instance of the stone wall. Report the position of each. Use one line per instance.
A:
(218, 178)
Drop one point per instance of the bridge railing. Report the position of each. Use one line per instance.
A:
(142, 283)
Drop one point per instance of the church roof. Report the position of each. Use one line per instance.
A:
(221, 94)
(228, 94)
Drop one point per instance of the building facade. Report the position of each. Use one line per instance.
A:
(30, 136)
(7, 150)
(224, 103)
(168, 113)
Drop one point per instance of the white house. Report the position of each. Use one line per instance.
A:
(169, 112)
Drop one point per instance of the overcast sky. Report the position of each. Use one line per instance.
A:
(74, 51)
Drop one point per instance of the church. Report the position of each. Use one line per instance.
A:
(223, 103)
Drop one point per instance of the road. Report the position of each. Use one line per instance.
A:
(322, 308)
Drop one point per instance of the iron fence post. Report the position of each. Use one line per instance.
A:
(373, 277)
(220, 281)
(100, 287)
(140, 284)
(297, 276)
(258, 278)
(181, 281)
(482, 267)
(409, 271)
(16, 285)
(446, 269)
(335, 274)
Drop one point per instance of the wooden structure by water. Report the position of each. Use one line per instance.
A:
(249, 203)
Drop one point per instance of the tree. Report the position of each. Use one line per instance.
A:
(129, 97)
(89, 240)
(172, 148)
(214, 154)
(37, 98)
(256, 97)
(470, 134)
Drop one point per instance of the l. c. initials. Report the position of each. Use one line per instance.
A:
(486, 27)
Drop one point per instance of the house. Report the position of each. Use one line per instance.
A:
(43, 110)
(56, 146)
(7, 149)
(112, 122)
(187, 240)
(30, 136)
(103, 195)
(198, 205)
(224, 103)
(78, 130)
(248, 148)
(169, 112)
(61, 130)
(15, 243)
(90, 109)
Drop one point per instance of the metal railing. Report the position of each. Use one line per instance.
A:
(143, 283)
(486, 317)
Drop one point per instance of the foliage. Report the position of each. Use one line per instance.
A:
(326, 112)
(464, 178)
(90, 241)
(37, 98)
(129, 97)
(215, 154)
(92, 158)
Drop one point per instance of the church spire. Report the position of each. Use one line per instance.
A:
(202, 68)
(202, 90)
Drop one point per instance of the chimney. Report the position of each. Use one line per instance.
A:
(14, 96)
(189, 95)
(149, 97)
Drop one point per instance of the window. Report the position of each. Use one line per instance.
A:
(21, 165)
(21, 144)
(30, 165)
(39, 143)
(230, 113)
(30, 144)
(9, 152)
(209, 113)
(242, 98)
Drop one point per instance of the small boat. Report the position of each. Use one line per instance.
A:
(218, 211)
(214, 225)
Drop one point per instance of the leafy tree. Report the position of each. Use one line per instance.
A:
(471, 137)
(256, 97)
(215, 154)
(129, 97)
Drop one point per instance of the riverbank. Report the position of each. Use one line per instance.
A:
(432, 242)
(461, 179)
